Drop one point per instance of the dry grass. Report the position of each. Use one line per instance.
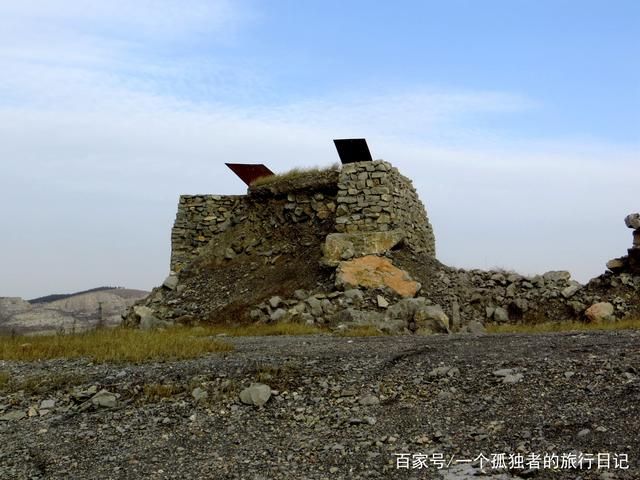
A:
(39, 384)
(5, 377)
(292, 174)
(128, 345)
(153, 392)
(627, 323)
(259, 330)
(112, 345)
(362, 331)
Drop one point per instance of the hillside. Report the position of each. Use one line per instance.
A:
(70, 312)
(61, 296)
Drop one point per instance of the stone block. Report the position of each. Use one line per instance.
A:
(632, 220)
(375, 272)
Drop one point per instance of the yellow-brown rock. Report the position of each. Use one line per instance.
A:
(344, 246)
(372, 271)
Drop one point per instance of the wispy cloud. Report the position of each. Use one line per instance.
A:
(84, 54)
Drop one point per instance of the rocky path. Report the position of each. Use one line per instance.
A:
(409, 407)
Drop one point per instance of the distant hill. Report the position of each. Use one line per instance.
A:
(62, 296)
(67, 312)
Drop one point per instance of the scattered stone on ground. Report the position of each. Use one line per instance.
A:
(331, 407)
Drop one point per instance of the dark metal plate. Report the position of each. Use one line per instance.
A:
(249, 172)
(353, 150)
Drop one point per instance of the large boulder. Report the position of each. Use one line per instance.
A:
(147, 318)
(431, 319)
(600, 312)
(344, 246)
(419, 316)
(617, 265)
(632, 220)
(375, 272)
(256, 394)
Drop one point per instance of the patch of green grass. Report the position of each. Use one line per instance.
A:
(624, 324)
(112, 345)
(362, 331)
(292, 174)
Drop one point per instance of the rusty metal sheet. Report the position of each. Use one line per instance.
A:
(353, 150)
(249, 172)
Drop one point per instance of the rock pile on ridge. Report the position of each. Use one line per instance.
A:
(630, 263)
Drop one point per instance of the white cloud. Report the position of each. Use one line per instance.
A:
(161, 19)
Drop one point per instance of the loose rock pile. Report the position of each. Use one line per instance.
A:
(629, 263)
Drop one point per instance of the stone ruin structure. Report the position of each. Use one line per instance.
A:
(360, 199)
(350, 247)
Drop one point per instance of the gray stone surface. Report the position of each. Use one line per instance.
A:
(13, 415)
(171, 282)
(278, 315)
(148, 319)
(557, 276)
(570, 291)
(500, 315)
(199, 394)
(104, 399)
(256, 394)
(275, 302)
(431, 319)
(369, 400)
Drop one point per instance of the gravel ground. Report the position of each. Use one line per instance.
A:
(361, 408)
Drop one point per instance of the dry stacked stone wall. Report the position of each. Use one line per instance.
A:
(199, 219)
(361, 197)
(374, 196)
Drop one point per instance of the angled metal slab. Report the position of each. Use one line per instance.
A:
(249, 172)
(353, 150)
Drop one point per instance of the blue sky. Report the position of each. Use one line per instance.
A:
(518, 120)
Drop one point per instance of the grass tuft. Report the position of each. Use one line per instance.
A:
(112, 345)
(292, 174)
(624, 324)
